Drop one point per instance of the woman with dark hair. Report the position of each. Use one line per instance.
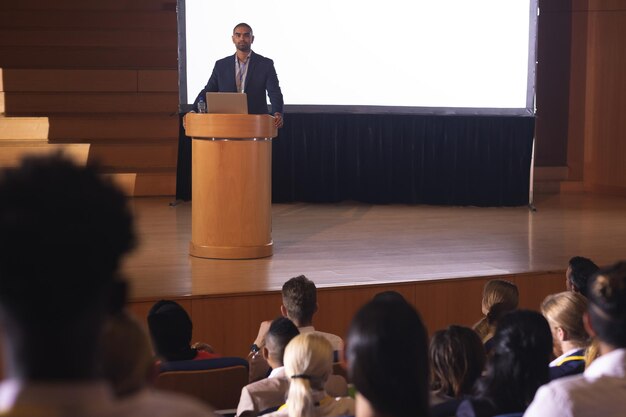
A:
(170, 330)
(457, 359)
(516, 368)
(388, 361)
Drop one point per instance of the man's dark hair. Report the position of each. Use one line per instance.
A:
(170, 329)
(607, 304)
(581, 270)
(390, 332)
(244, 25)
(280, 333)
(63, 230)
(300, 299)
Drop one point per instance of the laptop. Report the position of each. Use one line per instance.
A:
(227, 103)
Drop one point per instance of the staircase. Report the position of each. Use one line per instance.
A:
(94, 79)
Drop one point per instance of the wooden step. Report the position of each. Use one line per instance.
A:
(56, 103)
(135, 157)
(88, 19)
(126, 5)
(26, 38)
(156, 57)
(24, 128)
(87, 80)
(11, 154)
(145, 184)
(111, 128)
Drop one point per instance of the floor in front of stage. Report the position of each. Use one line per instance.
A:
(350, 244)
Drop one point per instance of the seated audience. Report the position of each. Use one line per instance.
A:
(170, 329)
(129, 366)
(457, 359)
(601, 389)
(63, 232)
(579, 270)
(564, 312)
(299, 304)
(517, 366)
(272, 391)
(308, 364)
(499, 297)
(387, 354)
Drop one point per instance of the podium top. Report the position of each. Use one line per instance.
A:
(230, 126)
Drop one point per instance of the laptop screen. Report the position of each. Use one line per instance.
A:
(227, 103)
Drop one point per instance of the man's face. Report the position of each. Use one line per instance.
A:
(242, 38)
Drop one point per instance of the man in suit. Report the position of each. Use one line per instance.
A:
(271, 391)
(247, 72)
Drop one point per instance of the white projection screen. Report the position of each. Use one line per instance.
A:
(364, 56)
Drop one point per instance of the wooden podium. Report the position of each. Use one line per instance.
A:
(231, 177)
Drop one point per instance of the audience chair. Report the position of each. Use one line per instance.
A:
(217, 382)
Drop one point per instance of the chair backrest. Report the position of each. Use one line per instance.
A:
(338, 369)
(217, 382)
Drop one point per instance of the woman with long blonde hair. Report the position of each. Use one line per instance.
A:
(308, 363)
(564, 312)
(499, 297)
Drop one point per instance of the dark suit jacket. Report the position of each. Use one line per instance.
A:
(260, 78)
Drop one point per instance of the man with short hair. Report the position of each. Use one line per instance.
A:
(601, 389)
(271, 391)
(63, 232)
(247, 72)
(299, 296)
(579, 270)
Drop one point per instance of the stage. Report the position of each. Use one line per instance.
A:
(438, 256)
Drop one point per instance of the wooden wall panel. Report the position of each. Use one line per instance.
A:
(88, 19)
(230, 323)
(605, 124)
(131, 128)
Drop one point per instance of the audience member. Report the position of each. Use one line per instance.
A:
(499, 297)
(63, 231)
(457, 359)
(299, 304)
(308, 363)
(271, 392)
(517, 366)
(564, 312)
(128, 364)
(579, 270)
(387, 354)
(600, 390)
(170, 329)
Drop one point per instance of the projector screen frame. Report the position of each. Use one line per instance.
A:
(528, 111)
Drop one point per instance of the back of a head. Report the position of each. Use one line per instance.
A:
(519, 359)
(457, 359)
(500, 295)
(566, 310)
(300, 299)
(170, 330)
(280, 333)
(580, 271)
(389, 333)
(607, 304)
(127, 361)
(308, 363)
(63, 230)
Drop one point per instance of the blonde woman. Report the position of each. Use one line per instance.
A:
(564, 312)
(499, 298)
(308, 363)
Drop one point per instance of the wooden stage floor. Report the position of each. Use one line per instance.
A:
(350, 244)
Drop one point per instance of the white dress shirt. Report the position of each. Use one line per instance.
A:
(599, 391)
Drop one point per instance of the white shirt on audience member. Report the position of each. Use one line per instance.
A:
(335, 341)
(599, 391)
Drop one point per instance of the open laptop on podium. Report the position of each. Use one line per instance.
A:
(227, 103)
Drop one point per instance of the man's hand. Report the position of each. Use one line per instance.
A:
(278, 120)
(263, 329)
